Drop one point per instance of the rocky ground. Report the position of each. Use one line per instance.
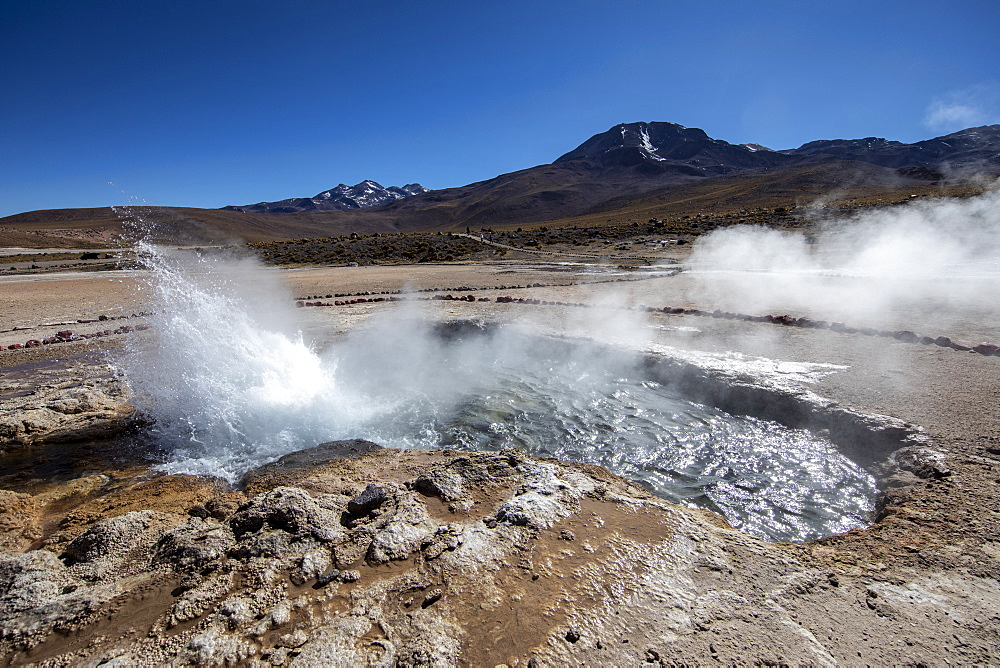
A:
(349, 554)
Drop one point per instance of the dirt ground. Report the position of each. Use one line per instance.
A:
(918, 587)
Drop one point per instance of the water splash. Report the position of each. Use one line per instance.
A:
(226, 377)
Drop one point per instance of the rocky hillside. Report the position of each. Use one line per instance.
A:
(668, 147)
(974, 149)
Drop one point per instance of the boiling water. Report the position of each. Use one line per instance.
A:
(771, 481)
(590, 404)
(229, 386)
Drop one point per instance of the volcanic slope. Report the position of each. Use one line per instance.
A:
(633, 170)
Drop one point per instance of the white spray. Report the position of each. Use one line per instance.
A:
(226, 376)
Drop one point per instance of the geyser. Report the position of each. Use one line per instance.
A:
(229, 384)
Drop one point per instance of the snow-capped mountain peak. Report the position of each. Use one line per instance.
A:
(364, 195)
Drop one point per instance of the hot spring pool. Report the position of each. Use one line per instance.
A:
(228, 384)
(774, 482)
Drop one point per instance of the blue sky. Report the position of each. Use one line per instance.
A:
(195, 103)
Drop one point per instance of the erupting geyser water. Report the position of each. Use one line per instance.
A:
(227, 380)
(229, 383)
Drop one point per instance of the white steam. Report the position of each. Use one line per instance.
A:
(931, 255)
(965, 108)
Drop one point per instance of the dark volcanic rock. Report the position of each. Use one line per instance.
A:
(370, 499)
(669, 145)
(294, 463)
(971, 149)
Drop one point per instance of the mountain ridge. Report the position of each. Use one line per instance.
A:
(660, 142)
(630, 158)
(657, 169)
(364, 195)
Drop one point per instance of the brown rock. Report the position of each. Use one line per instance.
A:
(18, 521)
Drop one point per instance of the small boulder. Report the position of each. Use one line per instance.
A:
(287, 509)
(370, 499)
(326, 577)
(194, 544)
(30, 580)
(408, 528)
(118, 545)
(442, 483)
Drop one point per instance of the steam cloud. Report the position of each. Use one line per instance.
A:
(229, 384)
(931, 256)
(969, 107)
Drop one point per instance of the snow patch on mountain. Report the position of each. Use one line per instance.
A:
(647, 145)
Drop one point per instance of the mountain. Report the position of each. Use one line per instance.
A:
(974, 149)
(664, 147)
(633, 171)
(625, 163)
(364, 195)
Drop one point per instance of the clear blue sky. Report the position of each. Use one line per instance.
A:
(214, 102)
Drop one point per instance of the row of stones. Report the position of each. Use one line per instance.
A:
(465, 288)
(67, 335)
(905, 336)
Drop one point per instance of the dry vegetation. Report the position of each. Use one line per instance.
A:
(45, 262)
(373, 249)
(604, 241)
